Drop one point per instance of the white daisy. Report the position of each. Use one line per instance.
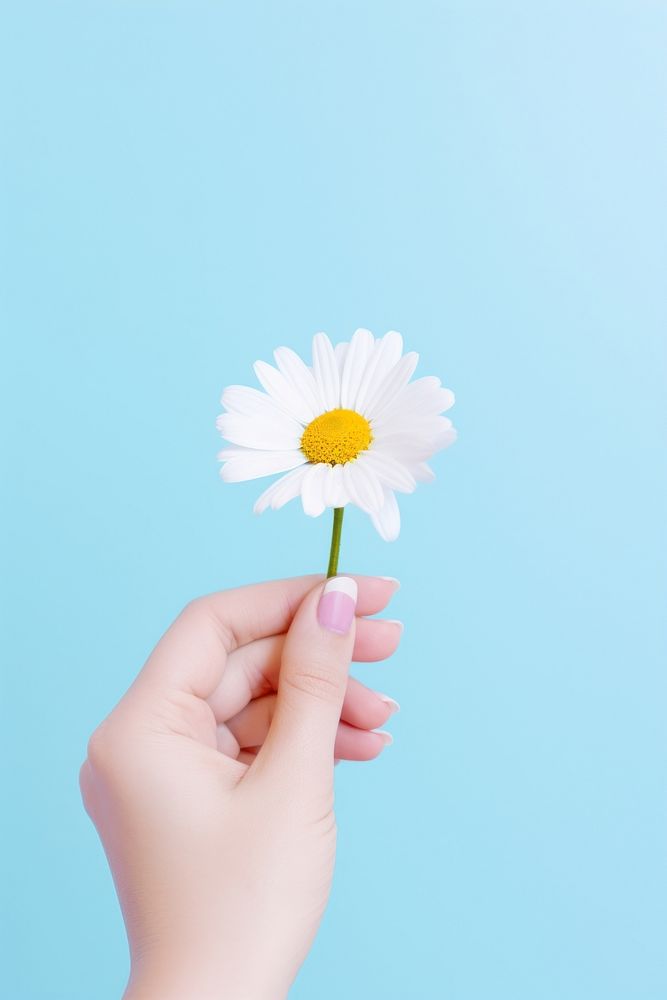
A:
(352, 428)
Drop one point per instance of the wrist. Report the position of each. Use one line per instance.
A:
(165, 984)
(144, 990)
(156, 992)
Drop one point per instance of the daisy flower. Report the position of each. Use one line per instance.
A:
(349, 428)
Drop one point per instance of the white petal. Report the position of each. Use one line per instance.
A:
(357, 357)
(417, 440)
(340, 351)
(423, 397)
(241, 463)
(333, 490)
(325, 369)
(386, 354)
(256, 432)
(420, 426)
(446, 438)
(327, 485)
(371, 485)
(312, 489)
(283, 392)
(390, 471)
(299, 374)
(362, 489)
(450, 399)
(410, 448)
(243, 400)
(391, 385)
(335, 494)
(264, 499)
(280, 492)
(350, 486)
(388, 520)
(422, 472)
(407, 448)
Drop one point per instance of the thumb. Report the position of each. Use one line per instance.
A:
(313, 677)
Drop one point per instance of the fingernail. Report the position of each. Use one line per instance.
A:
(395, 621)
(393, 705)
(337, 604)
(387, 738)
(391, 579)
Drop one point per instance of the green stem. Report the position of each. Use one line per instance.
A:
(335, 540)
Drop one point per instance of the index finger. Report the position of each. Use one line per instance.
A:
(191, 654)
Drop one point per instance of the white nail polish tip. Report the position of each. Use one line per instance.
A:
(341, 585)
(395, 621)
(390, 579)
(391, 702)
(387, 738)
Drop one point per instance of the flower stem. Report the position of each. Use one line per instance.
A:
(335, 540)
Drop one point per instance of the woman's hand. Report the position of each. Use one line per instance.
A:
(211, 782)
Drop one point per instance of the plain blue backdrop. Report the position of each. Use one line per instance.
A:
(186, 185)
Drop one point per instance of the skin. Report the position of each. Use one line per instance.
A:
(211, 786)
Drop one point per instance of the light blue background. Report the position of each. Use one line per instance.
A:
(188, 185)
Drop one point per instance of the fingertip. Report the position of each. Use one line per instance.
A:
(360, 744)
(391, 703)
(375, 592)
(376, 638)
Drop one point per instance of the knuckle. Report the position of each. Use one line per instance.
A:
(195, 606)
(101, 747)
(186, 714)
(111, 754)
(318, 681)
(205, 610)
(86, 786)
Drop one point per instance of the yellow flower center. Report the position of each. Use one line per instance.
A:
(336, 436)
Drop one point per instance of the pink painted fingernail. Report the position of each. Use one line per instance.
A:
(337, 604)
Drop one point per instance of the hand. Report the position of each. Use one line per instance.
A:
(211, 783)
